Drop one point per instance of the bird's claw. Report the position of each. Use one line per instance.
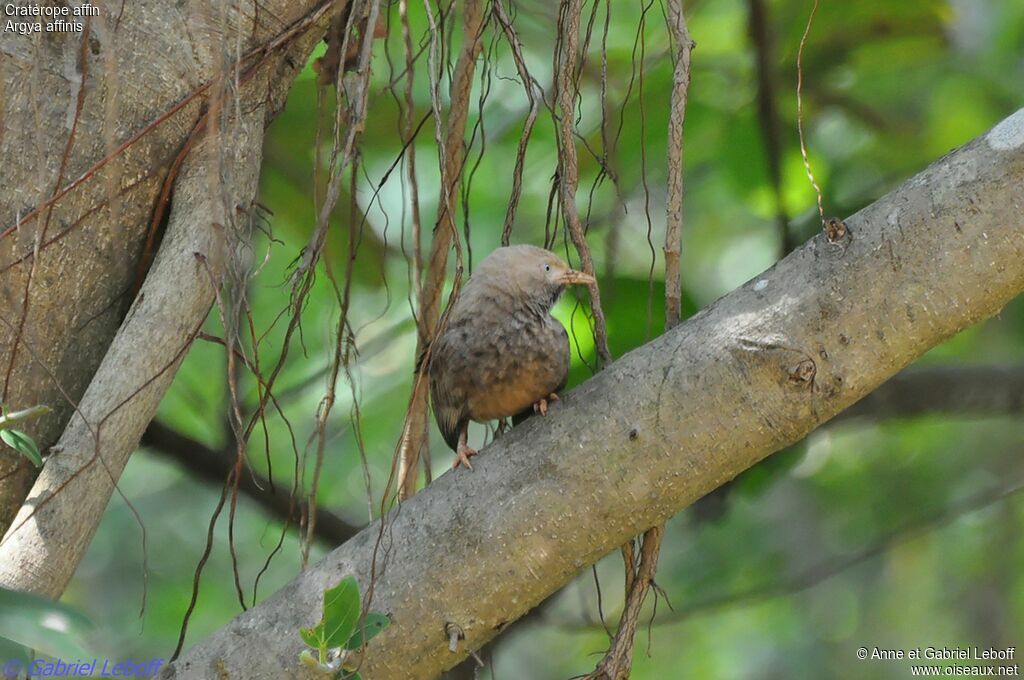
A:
(462, 456)
(541, 406)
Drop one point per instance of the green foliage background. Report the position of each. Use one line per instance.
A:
(865, 534)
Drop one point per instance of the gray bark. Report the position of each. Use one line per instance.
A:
(130, 66)
(46, 541)
(213, 192)
(665, 424)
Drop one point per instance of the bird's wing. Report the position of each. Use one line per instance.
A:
(448, 400)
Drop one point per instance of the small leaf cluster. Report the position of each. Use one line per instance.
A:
(341, 632)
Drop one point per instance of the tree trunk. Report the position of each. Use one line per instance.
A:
(90, 125)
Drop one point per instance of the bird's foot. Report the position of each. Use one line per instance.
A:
(462, 456)
(541, 406)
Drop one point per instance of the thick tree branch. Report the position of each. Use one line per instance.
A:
(215, 466)
(668, 422)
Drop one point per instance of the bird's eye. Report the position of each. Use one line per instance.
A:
(547, 267)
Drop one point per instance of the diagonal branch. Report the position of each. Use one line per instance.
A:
(214, 467)
(710, 603)
(981, 391)
(668, 422)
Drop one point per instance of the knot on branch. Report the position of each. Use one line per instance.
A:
(835, 230)
(803, 373)
(453, 632)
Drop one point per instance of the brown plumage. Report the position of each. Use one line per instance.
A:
(501, 351)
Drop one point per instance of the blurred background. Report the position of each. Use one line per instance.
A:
(896, 528)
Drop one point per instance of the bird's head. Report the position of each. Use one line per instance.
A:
(537, 275)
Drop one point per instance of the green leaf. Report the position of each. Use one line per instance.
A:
(38, 623)
(342, 607)
(314, 637)
(23, 444)
(374, 623)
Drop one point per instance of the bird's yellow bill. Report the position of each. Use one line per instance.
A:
(572, 277)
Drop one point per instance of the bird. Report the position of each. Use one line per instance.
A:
(501, 353)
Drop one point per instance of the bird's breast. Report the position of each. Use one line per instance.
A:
(523, 363)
